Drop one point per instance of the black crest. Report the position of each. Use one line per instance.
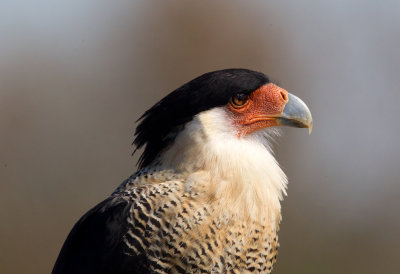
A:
(160, 124)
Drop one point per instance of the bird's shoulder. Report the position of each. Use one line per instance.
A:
(94, 244)
(100, 243)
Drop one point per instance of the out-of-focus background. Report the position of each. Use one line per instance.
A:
(75, 75)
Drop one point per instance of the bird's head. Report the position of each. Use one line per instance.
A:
(231, 102)
(215, 130)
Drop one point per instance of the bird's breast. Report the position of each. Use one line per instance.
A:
(178, 230)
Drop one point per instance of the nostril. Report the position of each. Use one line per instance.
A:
(284, 96)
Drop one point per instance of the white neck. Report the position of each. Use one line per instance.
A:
(239, 174)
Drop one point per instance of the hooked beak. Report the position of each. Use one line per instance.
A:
(296, 114)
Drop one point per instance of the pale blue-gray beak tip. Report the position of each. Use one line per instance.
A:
(296, 114)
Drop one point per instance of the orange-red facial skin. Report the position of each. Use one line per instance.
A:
(264, 105)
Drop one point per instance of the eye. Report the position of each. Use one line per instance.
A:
(239, 100)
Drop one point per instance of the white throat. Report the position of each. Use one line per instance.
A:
(239, 174)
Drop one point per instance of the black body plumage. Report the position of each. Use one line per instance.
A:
(94, 244)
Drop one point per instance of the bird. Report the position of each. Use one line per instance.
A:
(206, 197)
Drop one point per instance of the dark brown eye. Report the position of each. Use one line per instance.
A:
(239, 100)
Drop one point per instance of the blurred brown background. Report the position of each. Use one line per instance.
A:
(75, 75)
